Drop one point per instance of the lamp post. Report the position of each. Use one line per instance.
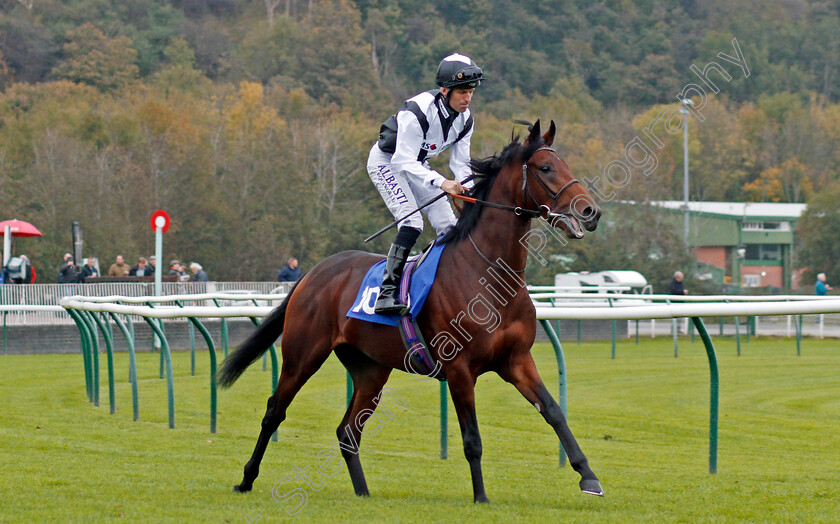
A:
(685, 112)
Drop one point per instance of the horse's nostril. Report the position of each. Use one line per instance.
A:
(591, 214)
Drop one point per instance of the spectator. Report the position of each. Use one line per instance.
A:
(179, 270)
(30, 271)
(821, 288)
(118, 268)
(19, 271)
(152, 265)
(89, 270)
(676, 286)
(141, 269)
(290, 273)
(175, 268)
(198, 273)
(68, 272)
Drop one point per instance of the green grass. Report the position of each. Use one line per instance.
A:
(641, 419)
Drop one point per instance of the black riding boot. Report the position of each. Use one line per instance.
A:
(388, 303)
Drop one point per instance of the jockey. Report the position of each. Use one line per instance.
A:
(424, 126)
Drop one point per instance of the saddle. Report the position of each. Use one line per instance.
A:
(415, 284)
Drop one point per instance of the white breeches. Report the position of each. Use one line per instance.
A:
(403, 194)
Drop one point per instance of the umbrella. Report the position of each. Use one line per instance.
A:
(19, 228)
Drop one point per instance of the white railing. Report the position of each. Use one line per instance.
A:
(51, 295)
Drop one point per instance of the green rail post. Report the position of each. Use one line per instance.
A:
(212, 352)
(154, 332)
(132, 365)
(444, 420)
(561, 378)
(109, 347)
(265, 355)
(95, 356)
(798, 321)
(224, 330)
(737, 336)
(86, 358)
(211, 349)
(192, 348)
(674, 330)
(713, 394)
(5, 347)
(164, 350)
(720, 321)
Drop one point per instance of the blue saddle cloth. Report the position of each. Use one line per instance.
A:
(421, 282)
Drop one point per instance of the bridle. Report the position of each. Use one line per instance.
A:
(543, 211)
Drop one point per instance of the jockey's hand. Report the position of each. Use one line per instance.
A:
(453, 187)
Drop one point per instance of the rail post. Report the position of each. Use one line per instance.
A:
(167, 357)
(713, 393)
(192, 348)
(132, 365)
(86, 358)
(561, 377)
(109, 347)
(94, 348)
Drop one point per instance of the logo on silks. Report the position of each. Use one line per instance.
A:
(429, 146)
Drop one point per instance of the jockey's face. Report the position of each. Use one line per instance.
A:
(459, 99)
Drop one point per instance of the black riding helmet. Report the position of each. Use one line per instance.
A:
(457, 71)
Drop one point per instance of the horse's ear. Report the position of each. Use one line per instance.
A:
(534, 135)
(549, 135)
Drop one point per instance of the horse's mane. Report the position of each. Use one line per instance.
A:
(485, 173)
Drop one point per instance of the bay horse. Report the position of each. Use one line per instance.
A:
(487, 241)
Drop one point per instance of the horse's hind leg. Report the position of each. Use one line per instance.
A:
(523, 374)
(292, 377)
(368, 379)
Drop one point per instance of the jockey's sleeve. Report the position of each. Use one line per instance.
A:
(409, 142)
(459, 159)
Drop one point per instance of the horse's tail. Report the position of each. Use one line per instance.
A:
(258, 343)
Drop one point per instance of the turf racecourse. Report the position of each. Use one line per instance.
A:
(642, 420)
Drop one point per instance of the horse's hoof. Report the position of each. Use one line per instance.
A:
(592, 487)
(482, 500)
(364, 493)
(241, 488)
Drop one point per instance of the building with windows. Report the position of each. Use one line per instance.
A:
(746, 243)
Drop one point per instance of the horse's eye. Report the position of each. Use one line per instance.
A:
(545, 168)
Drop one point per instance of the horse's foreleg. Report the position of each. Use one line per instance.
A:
(524, 376)
(462, 389)
(368, 380)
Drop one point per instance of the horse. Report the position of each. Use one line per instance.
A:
(485, 257)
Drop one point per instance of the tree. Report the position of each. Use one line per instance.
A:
(92, 58)
(817, 234)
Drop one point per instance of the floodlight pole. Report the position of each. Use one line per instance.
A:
(685, 112)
